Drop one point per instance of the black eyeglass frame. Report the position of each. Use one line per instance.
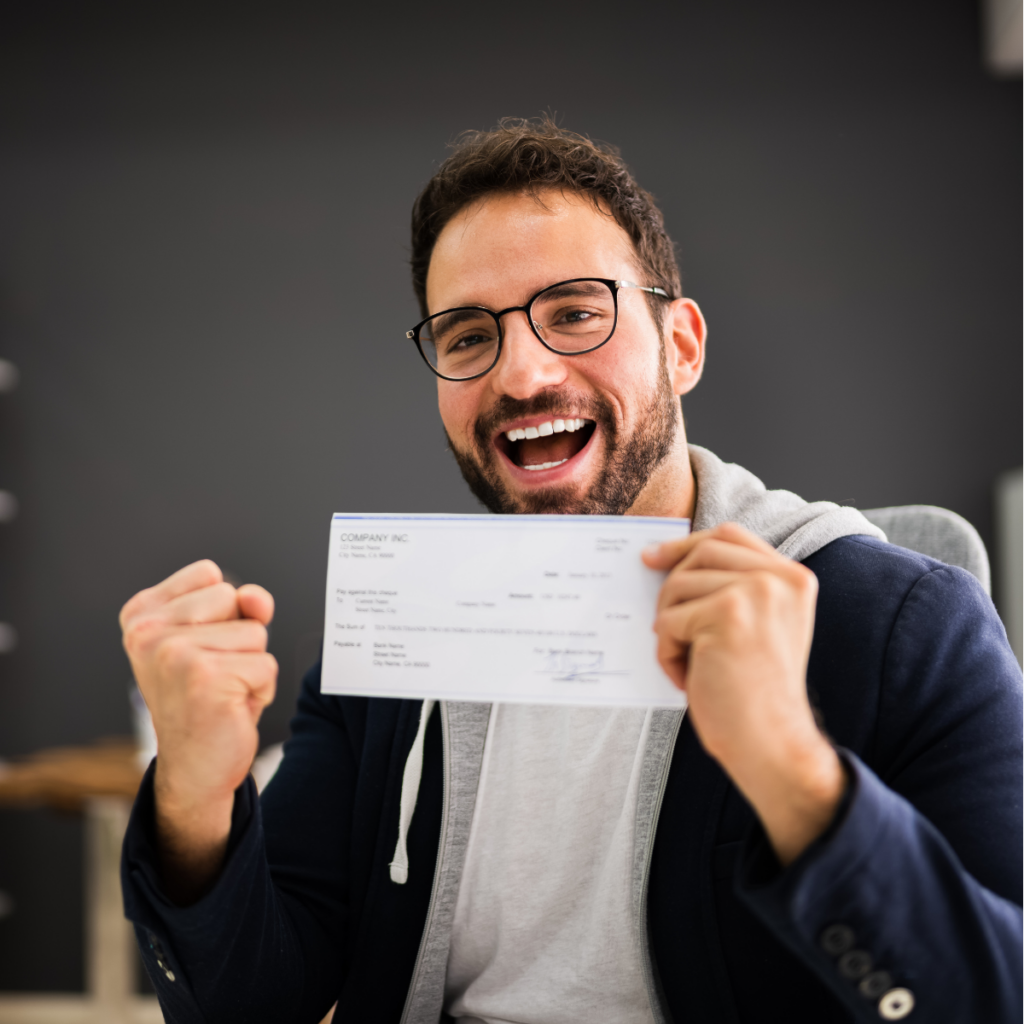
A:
(613, 287)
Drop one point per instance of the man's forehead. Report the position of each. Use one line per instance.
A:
(502, 248)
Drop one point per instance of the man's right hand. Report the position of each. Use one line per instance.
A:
(198, 648)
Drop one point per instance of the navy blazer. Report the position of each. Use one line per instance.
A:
(916, 884)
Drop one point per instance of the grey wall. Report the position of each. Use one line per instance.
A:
(203, 281)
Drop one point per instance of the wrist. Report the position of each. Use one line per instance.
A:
(188, 817)
(180, 794)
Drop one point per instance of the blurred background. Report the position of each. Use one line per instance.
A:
(204, 292)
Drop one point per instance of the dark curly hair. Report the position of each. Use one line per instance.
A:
(525, 155)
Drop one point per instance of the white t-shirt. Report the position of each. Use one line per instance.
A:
(543, 930)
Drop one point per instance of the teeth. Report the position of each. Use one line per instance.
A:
(546, 465)
(545, 429)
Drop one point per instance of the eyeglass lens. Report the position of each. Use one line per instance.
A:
(569, 318)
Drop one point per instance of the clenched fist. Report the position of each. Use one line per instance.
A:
(198, 648)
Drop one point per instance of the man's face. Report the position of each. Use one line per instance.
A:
(500, 251)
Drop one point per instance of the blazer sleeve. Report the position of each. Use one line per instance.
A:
(264, 944)
(908, 907)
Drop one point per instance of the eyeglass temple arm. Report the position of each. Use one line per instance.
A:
(641, 288)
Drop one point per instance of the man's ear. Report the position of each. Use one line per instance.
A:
(684, 336)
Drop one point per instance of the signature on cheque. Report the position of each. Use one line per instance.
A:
(577, 666)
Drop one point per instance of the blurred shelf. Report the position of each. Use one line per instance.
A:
(33, 1009)
(65, 778)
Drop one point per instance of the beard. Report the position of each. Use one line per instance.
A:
(629, 460)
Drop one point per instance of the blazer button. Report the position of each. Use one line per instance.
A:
(854, 964)
(896, 1004)
(836, 939)
(874, 984)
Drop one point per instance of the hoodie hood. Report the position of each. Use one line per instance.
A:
(727, 493)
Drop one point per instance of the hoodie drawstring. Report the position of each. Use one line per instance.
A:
(410, 793)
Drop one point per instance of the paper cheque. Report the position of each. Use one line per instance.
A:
(530, 609)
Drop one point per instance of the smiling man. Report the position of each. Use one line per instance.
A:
(533, 431)
(832, 830)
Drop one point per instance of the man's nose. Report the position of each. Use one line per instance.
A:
(525, 366)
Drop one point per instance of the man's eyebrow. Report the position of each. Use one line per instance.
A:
(575, 289)
(446, 321)
(449, 321)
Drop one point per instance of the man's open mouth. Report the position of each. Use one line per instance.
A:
(545, 445)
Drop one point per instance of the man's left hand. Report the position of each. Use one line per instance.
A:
(734, 624)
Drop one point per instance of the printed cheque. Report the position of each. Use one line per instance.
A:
(534, 609)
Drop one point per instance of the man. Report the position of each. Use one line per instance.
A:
(830, 833)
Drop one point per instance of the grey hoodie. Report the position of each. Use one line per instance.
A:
(725, 493)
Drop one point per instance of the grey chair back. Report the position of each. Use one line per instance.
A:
(938, 533)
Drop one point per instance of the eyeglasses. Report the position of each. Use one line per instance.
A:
(569, 318)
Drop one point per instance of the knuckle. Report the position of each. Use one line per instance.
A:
(173, 655)
(263, 681)
(767, 587)
(679, 570)
(140, 633)
(128, 609)
(208, 569)
(805, 580)
(734, 603)
(138, 598)
(222, 593)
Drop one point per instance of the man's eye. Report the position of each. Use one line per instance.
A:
(575, 317)
(468, 341)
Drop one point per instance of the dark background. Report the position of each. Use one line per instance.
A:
(203, 282)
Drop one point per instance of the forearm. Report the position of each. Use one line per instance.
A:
(191, 832)
(266, 941)
(232, 955)
(916, 918)
(791, 776)
(794, 791)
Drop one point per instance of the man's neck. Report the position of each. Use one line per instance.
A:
(671, 491)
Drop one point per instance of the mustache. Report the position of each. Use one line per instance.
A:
(560, 401)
